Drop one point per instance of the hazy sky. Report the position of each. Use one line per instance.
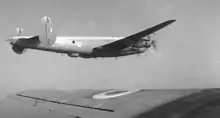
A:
(188, 52)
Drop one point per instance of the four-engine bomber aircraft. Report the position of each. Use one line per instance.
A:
(86, 47)
(116, 103)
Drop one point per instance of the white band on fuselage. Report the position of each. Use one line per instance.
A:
(19, 37)
(78, 44)
(86, 38)
(66, 40)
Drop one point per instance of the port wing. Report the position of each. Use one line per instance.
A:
(132, 39)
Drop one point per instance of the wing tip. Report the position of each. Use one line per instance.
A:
(170, 21)
(165, 23)
(174, 20)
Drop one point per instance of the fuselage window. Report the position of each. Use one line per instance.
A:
(73, 41)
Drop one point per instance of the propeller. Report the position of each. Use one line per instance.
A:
(154, 44)
(148, 42)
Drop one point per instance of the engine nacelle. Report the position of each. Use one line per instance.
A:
(73, 54)
(143, 43)
(19, 50)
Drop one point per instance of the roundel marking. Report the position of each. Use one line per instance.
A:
(78, 44)
(112, 94)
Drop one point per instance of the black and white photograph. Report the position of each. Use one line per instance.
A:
(110, 59)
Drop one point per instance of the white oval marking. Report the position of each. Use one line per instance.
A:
(104, 95)
(78, 44)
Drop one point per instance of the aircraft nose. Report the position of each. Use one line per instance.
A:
(8, 40)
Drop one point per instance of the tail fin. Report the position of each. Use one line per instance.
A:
(48, 28)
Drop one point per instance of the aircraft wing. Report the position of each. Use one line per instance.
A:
(132, 39)
(153, 103)
(64, 103)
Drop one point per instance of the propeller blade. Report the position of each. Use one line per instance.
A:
(146, 52)
(148, 37)
(154, 44)
(7, 40)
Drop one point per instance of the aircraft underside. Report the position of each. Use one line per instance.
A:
(77, 53)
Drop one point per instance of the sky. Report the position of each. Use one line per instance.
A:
(187, 55)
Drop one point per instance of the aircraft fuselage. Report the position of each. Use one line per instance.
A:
(72, 46)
